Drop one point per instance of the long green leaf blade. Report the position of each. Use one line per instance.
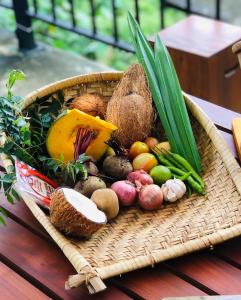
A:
(167, 94)
(179, 107)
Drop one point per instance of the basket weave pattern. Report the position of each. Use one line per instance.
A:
(139, 238)
(137, 233)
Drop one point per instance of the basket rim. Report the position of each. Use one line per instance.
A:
(236, 48)
(68, 82)
(174, 251)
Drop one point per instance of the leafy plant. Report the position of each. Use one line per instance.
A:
(23, 134)
(116, 58)
(15, 133)
(167, 94)
(69, 172)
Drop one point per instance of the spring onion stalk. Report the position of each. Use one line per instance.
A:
(166, 93)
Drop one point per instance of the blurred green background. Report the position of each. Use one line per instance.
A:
(59, 38)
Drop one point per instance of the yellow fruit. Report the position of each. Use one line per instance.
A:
(138, 148)
(144, 161)
(62, 135)
(164, 145)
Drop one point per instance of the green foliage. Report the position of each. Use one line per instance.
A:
(13, 76)
(69, 172)
(23, 134)
(42, 113)
(15, 130)
(118, 59)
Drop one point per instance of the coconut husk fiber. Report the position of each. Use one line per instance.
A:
(91, 104)
(130, 107)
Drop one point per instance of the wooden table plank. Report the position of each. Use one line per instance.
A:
(210, 271)
(13, 286)
(221, 116)
(20, 213)
(156, 283)
(35, 265)
(43, 264)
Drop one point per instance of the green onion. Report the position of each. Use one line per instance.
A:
(166, 93)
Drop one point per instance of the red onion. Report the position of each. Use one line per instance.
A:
(151, 197)
(140, 176)
(125, 191)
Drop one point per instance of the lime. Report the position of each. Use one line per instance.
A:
(160, 174)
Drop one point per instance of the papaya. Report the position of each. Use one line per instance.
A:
(62, 134)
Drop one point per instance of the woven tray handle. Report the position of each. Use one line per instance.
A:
(86, 274)
(237, 50)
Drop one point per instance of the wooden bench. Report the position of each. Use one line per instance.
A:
(13, 286)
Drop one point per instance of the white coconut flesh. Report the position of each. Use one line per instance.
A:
(84, 205)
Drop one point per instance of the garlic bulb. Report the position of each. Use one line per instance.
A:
(174, 189)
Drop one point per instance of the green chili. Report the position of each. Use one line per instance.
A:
(189, 191)
(184, 177)
(162, 159)
(176, 170)
(173, 161)
(185, 164)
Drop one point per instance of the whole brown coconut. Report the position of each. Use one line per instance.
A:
(130, 107)
(75, 214)
(91, 104)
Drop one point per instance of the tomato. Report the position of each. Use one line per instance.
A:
(151, 141)
(144, 161)
(138, 148)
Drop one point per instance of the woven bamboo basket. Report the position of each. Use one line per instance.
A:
(237, 50)
(136, 239)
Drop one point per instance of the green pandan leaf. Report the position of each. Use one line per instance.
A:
(166, 93)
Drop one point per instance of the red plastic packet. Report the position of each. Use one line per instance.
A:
(33, 182)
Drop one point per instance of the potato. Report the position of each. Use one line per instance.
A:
(117, 167)
(106, 201)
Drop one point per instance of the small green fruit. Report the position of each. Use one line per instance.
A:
(160, 174)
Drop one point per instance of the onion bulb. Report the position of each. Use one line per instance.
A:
(151, 197)
(140, 176)
(125, 191)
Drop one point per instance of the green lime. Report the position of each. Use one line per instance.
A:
(160, 174)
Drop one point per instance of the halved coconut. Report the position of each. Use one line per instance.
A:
(73, 213)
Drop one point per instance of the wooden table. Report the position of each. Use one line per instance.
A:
(32, 266)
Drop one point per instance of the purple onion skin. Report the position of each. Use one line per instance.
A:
(151, 197)
(126, 192)
(140, 177)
